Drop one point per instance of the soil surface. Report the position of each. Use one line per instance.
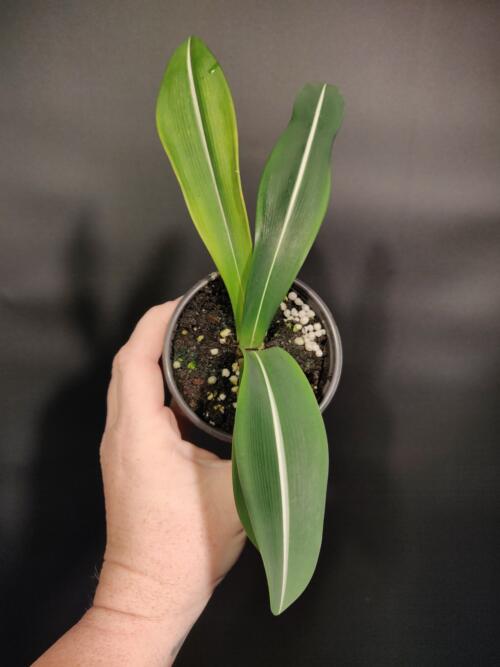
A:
(205, 353)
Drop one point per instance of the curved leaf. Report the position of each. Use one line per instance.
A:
(197, 126)
(292, 201)
(240, 503)
(282, 459)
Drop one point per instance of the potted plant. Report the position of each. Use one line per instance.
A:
(251, 352)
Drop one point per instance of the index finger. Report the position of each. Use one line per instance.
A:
(147, 338)
(137, 383)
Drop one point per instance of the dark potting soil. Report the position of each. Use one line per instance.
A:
(205, 354)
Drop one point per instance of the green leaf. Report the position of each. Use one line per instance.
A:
(240, 503)
(281, 455)
(293, 197)
(197, 125)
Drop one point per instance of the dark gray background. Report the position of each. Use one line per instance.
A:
(94, 230)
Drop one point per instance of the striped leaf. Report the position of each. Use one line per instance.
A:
(281, 455)
(293, 197)
(240, 502)
(197, 126)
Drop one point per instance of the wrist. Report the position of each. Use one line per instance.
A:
(138, 602)
(106, 636)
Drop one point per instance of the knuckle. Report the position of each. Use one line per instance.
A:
(157, 312)
(155, 309)
(104, 450)
(103, 453)
(120, 429)
(150, 313)
(121, 359)
(111, 438)
(160, 309)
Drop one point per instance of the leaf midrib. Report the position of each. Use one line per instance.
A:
(203, 135)
(283, 478)
(293, 198)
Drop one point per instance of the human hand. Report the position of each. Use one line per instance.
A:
(172, 527)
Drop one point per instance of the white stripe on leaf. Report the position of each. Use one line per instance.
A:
(201, 130)
(283, 478)
(293, 199)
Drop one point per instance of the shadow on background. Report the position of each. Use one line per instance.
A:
(66, 539)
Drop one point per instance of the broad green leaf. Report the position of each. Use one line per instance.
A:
(293, 197)
(197, 126)
(281, 454)
(240, 503)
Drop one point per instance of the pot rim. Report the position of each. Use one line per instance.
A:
(319, 306)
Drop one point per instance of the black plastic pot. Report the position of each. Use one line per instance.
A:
(317, 304)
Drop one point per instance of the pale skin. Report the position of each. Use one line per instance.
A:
(172, 527)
